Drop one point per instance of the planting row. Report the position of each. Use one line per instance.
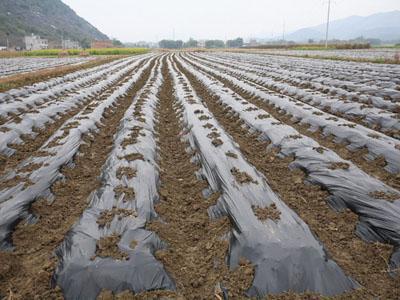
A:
(348, 186)
(377, 119)
(33, 178)
(356, 136)
(110, 239)
(11, 66)
(348, 75)
(20, 100)
(176, 207)
(301, 75)
(358, 54)
(47, 111)
(264, 230)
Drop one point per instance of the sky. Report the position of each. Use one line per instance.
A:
(153, 20)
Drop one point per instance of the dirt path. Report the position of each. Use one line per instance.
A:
(26, 272)
(367, 263)
(374, 168)
(30, 145)
(196, 253)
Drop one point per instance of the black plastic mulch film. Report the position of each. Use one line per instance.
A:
(285, 253)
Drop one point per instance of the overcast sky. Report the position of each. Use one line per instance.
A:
(153, 20)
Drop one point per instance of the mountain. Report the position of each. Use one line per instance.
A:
(50, 19)
(384, 26)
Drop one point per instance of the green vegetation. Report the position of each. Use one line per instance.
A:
(170, 44)
(191, 43)
(73, 52)
(117, 51)
(213, 44)
(51, 19)
(117, 43)
(237, 43)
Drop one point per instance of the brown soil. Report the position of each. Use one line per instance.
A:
(231, 155)
(263, 116)
(127, 295)
(108, 247)
(242, 177)
(374, 168)
(196, 253)
(339, 165)
(34, 259)
(107, 216)
(127, 192)
(384, 195)
(217, 142)
(132, 137)
(133, 157)
(19, 80)
(264, 213)
(128, 172)
(365, 262)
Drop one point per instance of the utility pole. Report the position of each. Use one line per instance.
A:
(327, 24)
(173, 34)
(283, 32)
(8, 42)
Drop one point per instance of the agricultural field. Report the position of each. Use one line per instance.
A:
(380, 55)
(203, 175)
(12, 66)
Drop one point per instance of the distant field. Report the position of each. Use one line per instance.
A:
(374, 55)
(16, 65)
(76, 52)
(291, 46)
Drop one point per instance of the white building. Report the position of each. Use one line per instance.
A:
(34, 42)
(68, 44)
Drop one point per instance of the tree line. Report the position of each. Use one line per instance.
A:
(191, 43)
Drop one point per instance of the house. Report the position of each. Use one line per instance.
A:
(34, 42)
(68, 44)
(96, 44)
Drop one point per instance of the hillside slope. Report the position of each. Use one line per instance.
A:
(50, 19)
(384, 26)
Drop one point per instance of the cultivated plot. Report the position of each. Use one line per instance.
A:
(12, 66)
(202, 175)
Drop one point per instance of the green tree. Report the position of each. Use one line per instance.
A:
(170, 44)
(212, 44)
(191, 43)
(85, 43)
(236, 43)
(117, 43)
